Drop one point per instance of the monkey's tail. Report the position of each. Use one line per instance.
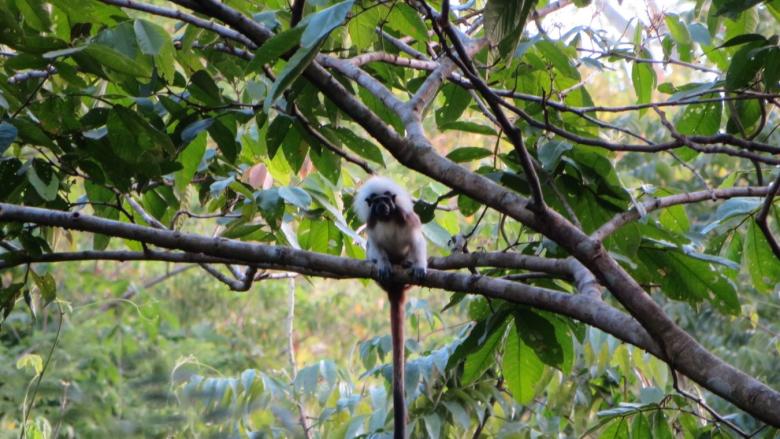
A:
(397, 296)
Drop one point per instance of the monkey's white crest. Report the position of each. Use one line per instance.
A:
(380, 185)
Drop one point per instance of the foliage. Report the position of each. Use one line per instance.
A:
(144, 117)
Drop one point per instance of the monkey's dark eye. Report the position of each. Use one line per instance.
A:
(387, 193)
(369, 200)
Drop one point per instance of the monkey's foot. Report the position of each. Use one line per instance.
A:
(417, 273)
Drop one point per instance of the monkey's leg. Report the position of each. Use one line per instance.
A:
(397, 333)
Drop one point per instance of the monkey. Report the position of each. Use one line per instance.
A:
(394, 238)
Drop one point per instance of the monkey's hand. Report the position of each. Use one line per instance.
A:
(385, 272)
(417, 273)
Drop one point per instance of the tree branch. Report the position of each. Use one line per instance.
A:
(633, 214)
(201, 249)
(761, 218)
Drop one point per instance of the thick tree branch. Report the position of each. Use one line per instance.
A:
(581, 307)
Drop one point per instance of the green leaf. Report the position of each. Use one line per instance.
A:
(295, 196)
(362, 27)
(471, 127)
(456, 100)
(190, 159)
(468, 153)
(407, 21)
(675, 218)
(539, 334)
(8, 298)
(701, 119)
(762, 264)
(151, 37)
(46, 189)
(478, 362)
(522, 368)
(733, 7)
(225, 138)
(33, 361)
(504, 22)
(364, 147)
(743, 39)
(203, 88)
(291, 71)
(617, 429)
(558, 58)
(644, 79)
(745, 64)
(117, 61)
(677, 29)
(46, 285)
(550, 153)
(683, 277)
(274, 48)
(276, 133)
(319, 25)
(155, 41)
(7, 136)
(467, 205)
(738, 206)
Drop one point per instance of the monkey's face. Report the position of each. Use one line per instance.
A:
(382, 206)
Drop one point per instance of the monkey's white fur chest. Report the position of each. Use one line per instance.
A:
(393, 238)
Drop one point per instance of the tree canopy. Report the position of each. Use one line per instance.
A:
(597, 189)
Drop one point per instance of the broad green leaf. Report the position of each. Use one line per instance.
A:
(291, 71)
(362, 27)
(644, 79)
(407, 21)
(276, 133)
(295, 196)
(556, 56)
(745, 64)
(155, 41)
(45, 185)
(539, 334)
(364, 147)
(478, 362)
(117, 61)
(550, 153)
(522, 368)
(468, 153)
(456, 100)
(274, 48)
(733, 7)
(617, 429)
(204, 89)
(683, 277)
(761, 263)
(225, 138)
(190, 159)
(675, 219)
(319, 25)
(738, 206)
(743, 39)
(7, 136)
(47, 286)
(504, 22)
(677, 29)
(701, 119)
